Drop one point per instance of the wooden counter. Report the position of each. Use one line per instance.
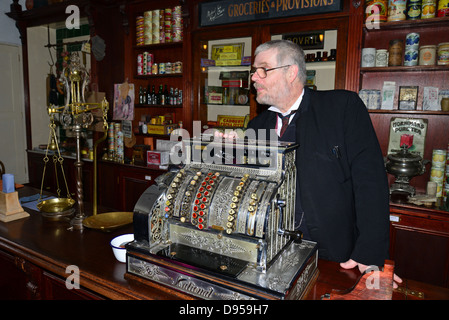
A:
(37, 251)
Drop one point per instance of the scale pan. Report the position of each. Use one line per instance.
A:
(108, 221)
(56, 205)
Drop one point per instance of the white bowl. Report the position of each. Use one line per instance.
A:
(118, 246)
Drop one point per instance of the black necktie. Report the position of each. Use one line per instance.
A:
(285, 120)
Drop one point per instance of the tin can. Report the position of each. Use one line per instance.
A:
(155, 25)
(140, 30)
(443, 8)
(411, 57)
(412, 41)
(177, 67)
(445, 192)
(140, 64)
(168, 67)
(381, 58)
(149, 66)
(162, 68)
(376, 11)
(148, 22)
(427, 55)
(413, 9)
(396, 10)
(154, 68)
(443, 53)
(438, 158)
(395, 53)
(437, 174)
(428, 9)
(368, 57)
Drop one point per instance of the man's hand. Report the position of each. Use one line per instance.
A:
(352, 264)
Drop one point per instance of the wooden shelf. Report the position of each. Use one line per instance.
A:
(420, 112)
(140, 105)
(406, 69)
(408, 24)
(168, 45)
(164, 75)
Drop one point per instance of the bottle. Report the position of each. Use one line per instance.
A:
(180, 97)
(148, 96)
(166, 95)
(171, 100)
(153, 96)
(160, 96)
(176, 97)
(140, 95)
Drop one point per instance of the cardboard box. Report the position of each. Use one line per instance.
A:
(161, 128)
(159, 158)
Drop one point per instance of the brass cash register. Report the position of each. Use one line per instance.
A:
(221, 226)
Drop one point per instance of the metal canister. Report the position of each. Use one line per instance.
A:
(443, 53)
(140, 30)
(428, 9)
(443, 8)
(168, 67)
(411, 57)
(376, 11)
(381, 58)
(155, 25)
(413, 9)
(140, 64)
(396, 10)
(177, 33)
(148, 22)
(439, 158)
(395, 53)
(177, 67)
(162, 68)
(427, 55)
(154, 68)
(412, 40)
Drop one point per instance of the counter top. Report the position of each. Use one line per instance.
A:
(52, 246)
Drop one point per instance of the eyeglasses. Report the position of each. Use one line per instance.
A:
(262, 72)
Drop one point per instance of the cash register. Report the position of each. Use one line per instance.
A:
(220, 225)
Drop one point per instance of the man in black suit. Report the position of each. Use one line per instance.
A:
(342, 188)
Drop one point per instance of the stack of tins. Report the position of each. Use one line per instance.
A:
(159, 26)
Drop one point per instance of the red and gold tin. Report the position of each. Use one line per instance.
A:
(443, 8)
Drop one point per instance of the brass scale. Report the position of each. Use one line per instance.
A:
(77, 114)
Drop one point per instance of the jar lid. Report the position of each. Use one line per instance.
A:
(443, 44)
(427, 47)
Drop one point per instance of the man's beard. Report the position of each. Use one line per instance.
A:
(272, 98)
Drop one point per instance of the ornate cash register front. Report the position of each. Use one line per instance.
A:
(221, 226)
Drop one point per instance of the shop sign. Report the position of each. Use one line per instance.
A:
(307, 40)
(233, 11)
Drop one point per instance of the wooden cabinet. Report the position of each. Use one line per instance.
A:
(22, 280)
(19, 279)
(420, 244)
(432, 32)
(168, 50)
(419, 238)
(120, 186)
